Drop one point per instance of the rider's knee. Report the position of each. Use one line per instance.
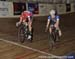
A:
(25, 23)
(57, 28)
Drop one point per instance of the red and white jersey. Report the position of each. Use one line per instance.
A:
(25, 15)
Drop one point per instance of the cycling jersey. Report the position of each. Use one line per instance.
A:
(25, 15)
(53, 20)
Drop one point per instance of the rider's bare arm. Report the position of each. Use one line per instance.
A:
(20, 19)
(18, 23)
(48, 22)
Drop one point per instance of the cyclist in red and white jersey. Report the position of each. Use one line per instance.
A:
(26, 18)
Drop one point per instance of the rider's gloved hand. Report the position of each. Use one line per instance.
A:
(17, 24)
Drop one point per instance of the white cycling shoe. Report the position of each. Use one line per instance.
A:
(29, 37)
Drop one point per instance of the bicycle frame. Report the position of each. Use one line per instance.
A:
(22, 33)
(25, 32)
(53, 36)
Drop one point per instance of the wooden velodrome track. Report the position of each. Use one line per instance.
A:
(11, 48)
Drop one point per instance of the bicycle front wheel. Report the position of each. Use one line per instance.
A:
(21, 35)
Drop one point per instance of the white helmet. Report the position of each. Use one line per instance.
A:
(52, 12)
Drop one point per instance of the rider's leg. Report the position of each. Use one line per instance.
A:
(50, 30)
(30, 30)
(60, 34)
(30, 27)
(57, 27)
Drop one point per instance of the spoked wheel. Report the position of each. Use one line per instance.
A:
(54, 37)
(21, 35)
(51, 41)
(57, 36)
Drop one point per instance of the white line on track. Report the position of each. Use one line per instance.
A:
(23, 46)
